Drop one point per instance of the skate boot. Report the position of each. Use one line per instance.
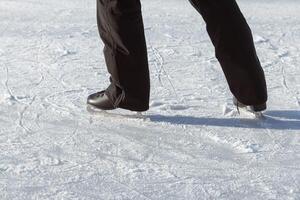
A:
(253, 108)
(100, 100)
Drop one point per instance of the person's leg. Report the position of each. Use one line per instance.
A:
(121, 29)
(235, 49)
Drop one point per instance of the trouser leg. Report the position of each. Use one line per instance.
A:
(235, 50)
(121, 29)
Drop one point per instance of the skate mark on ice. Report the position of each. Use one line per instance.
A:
(236, 144)
(71, 136)
(1, 53)
(298, 101)
(130, 188)
(21, 117)
(41, 65)
(8, 96)
(11, 98)
(159, 62)
(165, 105)
(157, 103)
(169, 105)
(162, 71)
(50, 99)
(283, 54)
(168, 150)
(259, 39)
(48, 160)
(229, 142)
(63, 52)
(175, 107)
(284, 83)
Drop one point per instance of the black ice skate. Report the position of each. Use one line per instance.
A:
(253, 108)
(100, 101)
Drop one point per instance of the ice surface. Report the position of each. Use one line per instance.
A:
(191, 144)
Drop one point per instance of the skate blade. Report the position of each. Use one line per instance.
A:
(115, 113)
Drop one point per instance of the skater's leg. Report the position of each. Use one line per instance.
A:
(121, 29)
(235, 49)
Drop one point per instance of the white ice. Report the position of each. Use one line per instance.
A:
(192, 143)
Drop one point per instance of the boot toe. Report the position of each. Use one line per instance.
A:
(100, 100)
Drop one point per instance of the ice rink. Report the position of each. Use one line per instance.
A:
(191, 144)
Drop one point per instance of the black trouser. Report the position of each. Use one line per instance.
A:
(121, 28)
